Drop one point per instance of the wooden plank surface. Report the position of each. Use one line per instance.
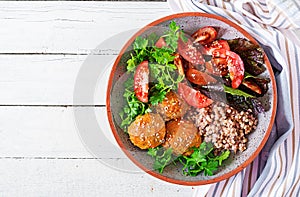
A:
(81, 177)
(43, 51)
(70, 27)
(41, 152)
(50, 79)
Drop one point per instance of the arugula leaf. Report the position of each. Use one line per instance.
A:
(140, 53)
(162, 55)
(209, 167)
(165, 75)
(162, 70)
(152, 39)
(202, 159)
(140, 43)
(158, 93)
(133, 106)
(237, 92)
(224, 155)
(162, 157)
(173, 26)
(172, 35)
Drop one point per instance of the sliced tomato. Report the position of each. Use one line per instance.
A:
(219, 66)
(200, 78)
(141, 81)
(217, 44)
(178, 64)
(190, 52)
(234, 64)
(205, 35)
(160, 43)
(252, 86)
(193, 97)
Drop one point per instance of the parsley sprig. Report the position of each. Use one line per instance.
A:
(164, 76)
(162, 157)
(201, 160)
(133, 106)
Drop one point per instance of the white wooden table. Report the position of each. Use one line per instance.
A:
(42, 48)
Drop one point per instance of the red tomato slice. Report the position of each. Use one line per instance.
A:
(141, 81)
(205, 35)
(178, 64)
(252, 86)
(235, 66)
(193, 97)
(190, 52)
(218, 65)
(200, 78)
(160, 43)
(217, 44)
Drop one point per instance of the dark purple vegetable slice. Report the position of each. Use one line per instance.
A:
(251, 54)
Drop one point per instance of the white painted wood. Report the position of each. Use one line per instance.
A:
(50, 79)
(47, 177)
(42, 151)
(49, 132)
(41, 154)
(70, 27)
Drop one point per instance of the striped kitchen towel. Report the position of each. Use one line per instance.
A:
(276, 171)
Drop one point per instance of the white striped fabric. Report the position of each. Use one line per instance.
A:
(276, 171)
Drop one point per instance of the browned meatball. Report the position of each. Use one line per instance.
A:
(147, 131)
(172, 107)
(181, 136)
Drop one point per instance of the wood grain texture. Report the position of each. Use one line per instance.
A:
(21, 177)
(43, 47)
(46, 79)
(70, 27)
(42, 155)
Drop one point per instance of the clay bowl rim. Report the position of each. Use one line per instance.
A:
(161, 176)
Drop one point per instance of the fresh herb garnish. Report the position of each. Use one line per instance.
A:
(237, 92)
(162, 69)
(203, 159)
(133, 106)
(171, 36)
(162, 157)
(158, 93)
(140, 53)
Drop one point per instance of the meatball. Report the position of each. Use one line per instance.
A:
(147, 131)
(181, 136)
(172, 107)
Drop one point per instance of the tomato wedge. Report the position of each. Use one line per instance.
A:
(141, 81)
(234, 64)
(190, 52)
(252, 86)
(160, 43)
(178, 64)
(200, 78)
(193, 97)
(217, 44)
(205, 35)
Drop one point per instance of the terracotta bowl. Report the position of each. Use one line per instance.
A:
(189, 22)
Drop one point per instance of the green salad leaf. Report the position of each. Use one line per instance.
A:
(133, 106)
(237, 92)
(171, 36)
(162, 69)
(162, 157)
(203, 159)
